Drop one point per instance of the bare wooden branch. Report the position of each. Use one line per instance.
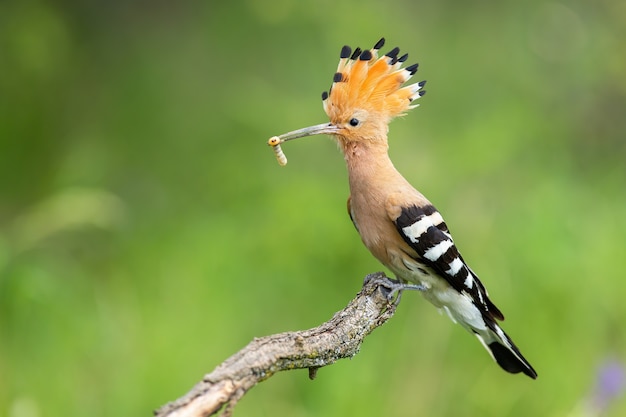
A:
(338, 338)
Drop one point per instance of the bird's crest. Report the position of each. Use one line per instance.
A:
(365, 81)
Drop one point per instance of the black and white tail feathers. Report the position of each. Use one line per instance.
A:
(503, 350)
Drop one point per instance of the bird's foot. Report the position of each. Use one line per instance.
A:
(393, 288)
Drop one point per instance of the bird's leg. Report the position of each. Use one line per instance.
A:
(399, 287)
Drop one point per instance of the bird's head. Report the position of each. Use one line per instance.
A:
(366, 94)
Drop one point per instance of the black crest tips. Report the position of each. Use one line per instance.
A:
(421, 83)
(393, 53)
(338, 77)
(403, 58)
(324, 95)
(356, 53)
(345, 52)
(365, 56)
(379, 44)
(412, 69)
(419, 94)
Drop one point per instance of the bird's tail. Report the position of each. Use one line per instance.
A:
(503, 350)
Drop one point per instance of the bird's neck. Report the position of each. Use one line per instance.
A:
(368, 163)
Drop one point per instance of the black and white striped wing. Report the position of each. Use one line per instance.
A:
(424, 230)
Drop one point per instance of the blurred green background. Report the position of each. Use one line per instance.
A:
(147, 232)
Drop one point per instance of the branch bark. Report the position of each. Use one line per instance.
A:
(338, 338)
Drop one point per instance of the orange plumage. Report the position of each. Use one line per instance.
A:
(372, 85)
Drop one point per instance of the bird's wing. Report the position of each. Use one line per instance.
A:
(350, 213)
(425, 231)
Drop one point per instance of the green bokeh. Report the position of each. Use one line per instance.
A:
(147, 233)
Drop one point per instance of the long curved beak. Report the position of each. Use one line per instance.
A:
(321, 129)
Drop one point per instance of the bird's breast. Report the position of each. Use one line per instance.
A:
(373, 224)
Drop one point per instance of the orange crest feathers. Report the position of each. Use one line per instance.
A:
(365, 82)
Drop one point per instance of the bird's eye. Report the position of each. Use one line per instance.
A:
(354, 122)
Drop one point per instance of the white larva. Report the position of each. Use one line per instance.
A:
(274, 142)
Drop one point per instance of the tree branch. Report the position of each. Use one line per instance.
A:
(338, 338)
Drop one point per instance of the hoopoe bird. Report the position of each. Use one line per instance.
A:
(399, 226)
